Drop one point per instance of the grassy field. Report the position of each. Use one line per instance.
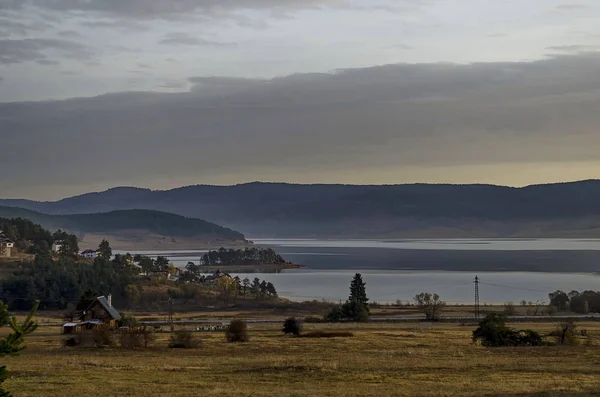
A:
(380, 360)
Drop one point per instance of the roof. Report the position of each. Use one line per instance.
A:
(70, 324)
(89, 252)
(104, 302)
(4, 239)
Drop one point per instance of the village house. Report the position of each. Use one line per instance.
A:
(91, 254)
(212, 281)
(57, 245)
(6, 246)
(98, 313)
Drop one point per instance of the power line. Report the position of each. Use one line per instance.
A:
(508, 286)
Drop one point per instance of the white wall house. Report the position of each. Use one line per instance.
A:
(57, 245)
(6, 246)
(91, 254)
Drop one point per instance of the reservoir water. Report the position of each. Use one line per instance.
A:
(510, 269)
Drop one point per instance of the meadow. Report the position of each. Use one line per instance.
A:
(379, 360)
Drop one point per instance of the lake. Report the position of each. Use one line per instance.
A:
(510, 269)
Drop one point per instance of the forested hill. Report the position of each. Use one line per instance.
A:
(126, 221)
(417, 210)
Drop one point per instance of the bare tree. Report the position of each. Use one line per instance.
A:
(430, 304)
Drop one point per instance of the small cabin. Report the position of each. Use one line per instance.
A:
(100, 312)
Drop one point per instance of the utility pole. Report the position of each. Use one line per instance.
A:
(171, 312)
(476, 297)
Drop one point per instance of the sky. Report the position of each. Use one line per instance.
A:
(164, 93)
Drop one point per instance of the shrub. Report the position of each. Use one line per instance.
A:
(292, 326)
(349, 311)
(184, 340)
(492, 332)
(136, 337)
(566, 333)
(237, 331)
(509, 309)
(102, 337)
(127, 321)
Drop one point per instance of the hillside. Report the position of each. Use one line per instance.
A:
(129, 228)
(417, 210)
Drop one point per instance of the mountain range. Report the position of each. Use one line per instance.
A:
(361, 211)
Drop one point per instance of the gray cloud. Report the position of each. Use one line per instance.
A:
(570, 7)
(69, 34)
(387, 117)
(574, 49)
(25, 50)
(150, 9)
(186, 39)
(47, 62)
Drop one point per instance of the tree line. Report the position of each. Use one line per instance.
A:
(578, 302)
(239, 257)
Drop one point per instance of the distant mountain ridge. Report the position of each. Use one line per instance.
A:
(128, 222)
(362, 211)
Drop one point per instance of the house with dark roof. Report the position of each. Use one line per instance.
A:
(99, 312)
(101, 309)
(6, 246)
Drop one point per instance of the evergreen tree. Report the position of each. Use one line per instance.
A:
(358, 291)
(13, 343)
(104, 250)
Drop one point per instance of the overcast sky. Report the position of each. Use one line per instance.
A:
(350, 91)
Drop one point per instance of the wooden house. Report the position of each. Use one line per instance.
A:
(100, 312)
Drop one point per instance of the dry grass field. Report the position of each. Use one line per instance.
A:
(380, 360)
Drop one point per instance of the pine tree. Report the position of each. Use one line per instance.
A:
(13, 343)
(358, 291)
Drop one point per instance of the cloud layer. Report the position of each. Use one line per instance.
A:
(382, 119)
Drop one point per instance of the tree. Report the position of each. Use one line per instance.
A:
(559, 299)
(271, 289)
(237, 331)
(146, 264)
(245, 285)
(358, 291)
(227, 288)
(292, 326)
(70, 312)
(104, 250)
(132, 293)
(430, 304)
(13, 343)
(161, 264)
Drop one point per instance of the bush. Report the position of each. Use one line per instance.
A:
(237, 331)
(98, 337)
(566, 333)
(492, 332)
(509, 309)
(127, 321)
(349, 311)
(184, 340)
(292, 326)
(136, 337)
(102, 337)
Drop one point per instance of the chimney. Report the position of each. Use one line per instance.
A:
(109, 298)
